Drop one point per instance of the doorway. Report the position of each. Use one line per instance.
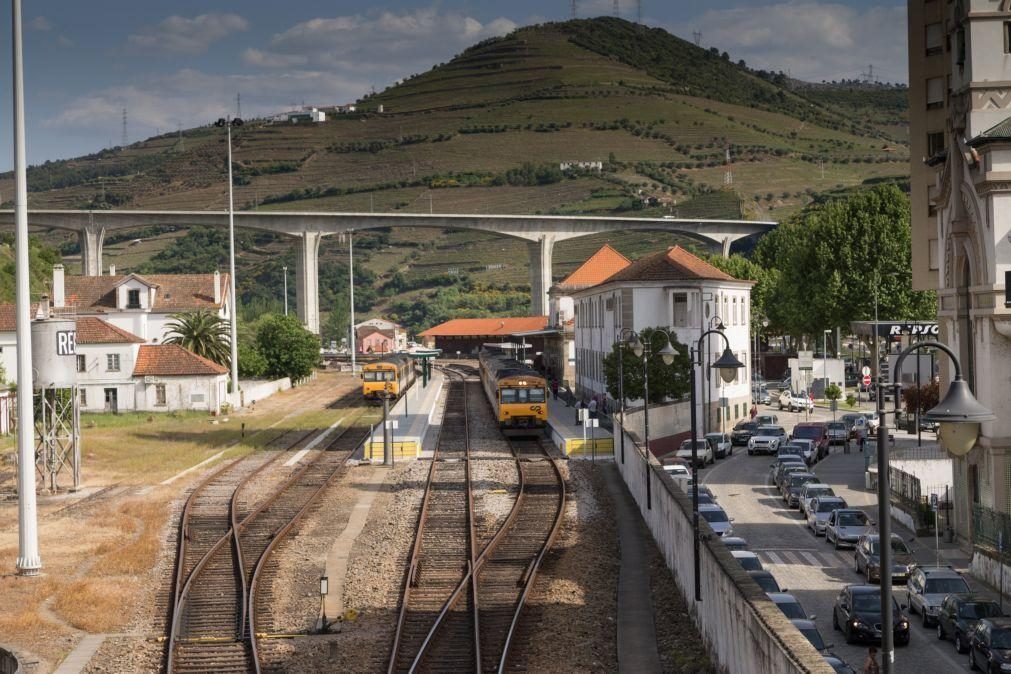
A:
(111, 401)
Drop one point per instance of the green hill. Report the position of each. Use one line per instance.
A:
(486, 133)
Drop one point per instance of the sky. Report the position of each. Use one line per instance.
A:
(181, 63)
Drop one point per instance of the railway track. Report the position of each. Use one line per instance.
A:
(221, 545)
(438, 612)
(472, 626)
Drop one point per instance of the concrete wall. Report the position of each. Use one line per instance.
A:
(986, 568)
(743, 630)
(254, 389)
(664, 420)
(933, 473)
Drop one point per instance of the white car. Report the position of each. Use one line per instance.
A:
(808, 449)
(766, 440)
(704, 450)
(721, 443)
(811, 491)
(795, 402)
(677, 469)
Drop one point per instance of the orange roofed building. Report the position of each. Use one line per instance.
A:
(468, 335)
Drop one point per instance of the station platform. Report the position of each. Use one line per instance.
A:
(567, 434)
(412, 414)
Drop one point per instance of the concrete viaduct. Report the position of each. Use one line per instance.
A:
(541, 232)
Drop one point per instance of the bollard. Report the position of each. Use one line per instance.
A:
(243, 429)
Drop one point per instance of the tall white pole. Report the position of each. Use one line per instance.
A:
(231, 268)
(285, 290)
(351, 272)
(29, 562)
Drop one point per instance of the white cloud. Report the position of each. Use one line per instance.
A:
(811, 39)
(40, 23)
(65, 41)
(266, 59)
(386, 41)
(179, 35)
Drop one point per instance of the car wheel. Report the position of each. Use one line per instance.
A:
(972, 659)
(940, 631)
(909, 603)
(924, 620)
(751, 453)
(835, 621)
(835, 542)
(848, 633)
(959, 646)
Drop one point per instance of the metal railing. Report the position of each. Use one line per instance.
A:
(907, 492)
(990, 528)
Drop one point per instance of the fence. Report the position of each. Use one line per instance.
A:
(907, 492)
(990, 529)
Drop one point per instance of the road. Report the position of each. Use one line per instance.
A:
(807, 566)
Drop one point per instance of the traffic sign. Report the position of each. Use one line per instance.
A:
(867, 380)
(865, 371)
(933, 502)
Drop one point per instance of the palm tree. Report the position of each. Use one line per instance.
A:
(202, 332)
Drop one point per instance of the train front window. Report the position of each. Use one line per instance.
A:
(380, 375)
(522, 395)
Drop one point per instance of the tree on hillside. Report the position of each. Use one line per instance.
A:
(289, 349)
(836, 258)
(202, 332)
(665, 381)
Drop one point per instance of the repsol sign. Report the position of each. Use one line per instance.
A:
(910, 329)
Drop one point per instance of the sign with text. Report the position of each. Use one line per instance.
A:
(66, 343)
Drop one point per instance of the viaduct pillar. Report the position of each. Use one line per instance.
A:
(91, 239)
(540, 273)
(307, 279)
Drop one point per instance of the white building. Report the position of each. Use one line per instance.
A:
(395, 330)
(684, 294)
(583, 165)
(141, 305)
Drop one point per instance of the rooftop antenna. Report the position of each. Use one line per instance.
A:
(617, 9)
(124, 128)
(728, 173)
(238, 106)
(698, 37)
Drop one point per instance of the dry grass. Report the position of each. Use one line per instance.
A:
(97, 605)
(142, 521)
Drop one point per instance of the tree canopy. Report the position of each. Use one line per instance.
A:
(665, 381)
(288, 348)
(202, 332)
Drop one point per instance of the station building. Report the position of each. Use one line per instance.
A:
(466, 336)
(683, 294)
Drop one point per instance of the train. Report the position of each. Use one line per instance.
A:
(518, 394)
(392, 375)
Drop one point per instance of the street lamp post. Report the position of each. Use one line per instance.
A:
(228, 123)
(728, 365)
(958, 417)
(621, 387)
(824, 362)
(285, 290)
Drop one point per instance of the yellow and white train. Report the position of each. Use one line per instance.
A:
(517, 393)
(392, 375)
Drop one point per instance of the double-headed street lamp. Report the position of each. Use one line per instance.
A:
(228, 123)
(728, 365)
(958, 417)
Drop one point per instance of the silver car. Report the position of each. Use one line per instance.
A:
(845, 527)
(927, 587)
(811, 491)
(820, 510)
(717, 518)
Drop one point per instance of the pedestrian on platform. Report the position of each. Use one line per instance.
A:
(554, 388)
(593, 407)
(871, 665)
(579, 406)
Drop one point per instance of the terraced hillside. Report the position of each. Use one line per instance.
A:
(486, 133)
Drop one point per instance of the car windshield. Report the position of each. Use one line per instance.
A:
(1000, 638)
(836, 425)
(814, 636)
(852, 520)
(790, 449)
(870, 602)
(746, 426)
(714, 437)
(714, 515)
(793, 610)
(767, 583)
(808, 432)
(686, 445)
(979, 609)
(897, 546)
(801, 480)
(829, 506)
(945, 586)
(750, 563)
(705, 498)
(819, 490)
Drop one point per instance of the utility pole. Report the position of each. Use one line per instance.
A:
(728, 174)
(617, 9)
(351, 273)
(238, 105)
(573, 3)
(124, 139)
(638, 11)
(697, 35)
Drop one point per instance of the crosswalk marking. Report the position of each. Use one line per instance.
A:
(811, 558)
(772, 557)
(826, 559)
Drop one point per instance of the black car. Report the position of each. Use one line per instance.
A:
(857, 612)
(742, 432)
(959, 615)
(839, 665)
(990, 645)
(867, 558)
(809, 630)
(766, 581)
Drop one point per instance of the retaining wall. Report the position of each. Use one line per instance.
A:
(984, 566)
(258, 390)
(743, 629)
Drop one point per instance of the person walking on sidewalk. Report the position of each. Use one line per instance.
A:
(579, 406)
(871, 665)
(554, 388)
(754, 411)
(593, 407)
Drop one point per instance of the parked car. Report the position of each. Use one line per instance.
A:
(795, 402)
(873, 420)
(717, 518)
(846, 526)
(809, 630)
(677, 469)
(782, 464)
(808, 449)
(867, 558)
(742, 432)
(704, 450)
(959, 615)
(748, 560)
(761, 396)
(811, 491)
(839, 665)
(815, 431)
(790, 448)
(721, 444)
(928, 586)
(792, 487)
(767, 420)
(789, 605)
(786, 472)
(857, 612)
(767, 440)
(837, 432)
(820, 512)
(734, 543)
(990, 643)
(765, 580)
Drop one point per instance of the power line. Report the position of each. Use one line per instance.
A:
(617, 9)
(698, 37)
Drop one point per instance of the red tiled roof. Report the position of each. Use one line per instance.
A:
(172, 360)
(369, 330)
(8, 318)
(91, 330)
(674, 264)
(175, 292)
(486, 327)
(604, 263)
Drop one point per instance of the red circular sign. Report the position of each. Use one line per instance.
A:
(867, 380)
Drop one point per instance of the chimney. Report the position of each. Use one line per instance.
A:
(59, 298)
(217, 287)
(42, 312)
(112, 270)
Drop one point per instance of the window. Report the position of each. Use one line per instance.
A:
(1007, 37)
(82, 365)
(935, 92)
(932, 261)
(680, 310)
(133, 299)
(935, 143)
(84, 397)
(735, 310)
(112, 362)
(934, 38)
(159, 395)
